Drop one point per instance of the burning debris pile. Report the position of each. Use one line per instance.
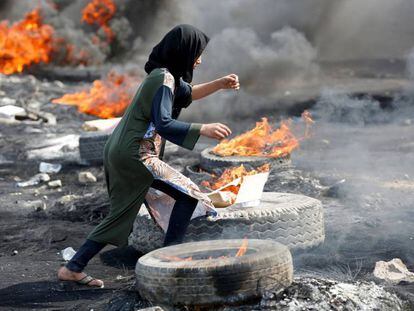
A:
(24, 43)
(107, 98)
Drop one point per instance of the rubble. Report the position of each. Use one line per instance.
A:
(308, 293)
(63, 149)
(393, 271)
(55, 183)
(35, 180)
(86, 178)
(37, 205)
(49, 168)
(11, 111)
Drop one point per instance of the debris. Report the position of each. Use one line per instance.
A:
(393, 271)
(5, 101)
(37, 205)
(45, 167)
(10, 111)
(68, 253)
(101, 125)
(310, 293)
(68, 198)
(86, 178)
(35, 180)
(15, 252)
(55, 183)
(4, 161)
(64, 148)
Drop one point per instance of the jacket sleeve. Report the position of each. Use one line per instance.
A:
(183, 94)
(180, 133)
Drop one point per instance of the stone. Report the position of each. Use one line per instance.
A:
(393, 271)
(68, 198)
(86, 178)
(35, 180)
(37, 205)
(55, 183)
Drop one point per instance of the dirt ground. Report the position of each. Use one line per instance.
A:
(369, 216)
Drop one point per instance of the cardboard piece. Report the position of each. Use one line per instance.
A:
(250, 192)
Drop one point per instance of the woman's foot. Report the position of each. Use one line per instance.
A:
(64, 274)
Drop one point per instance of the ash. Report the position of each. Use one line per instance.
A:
(309, 293)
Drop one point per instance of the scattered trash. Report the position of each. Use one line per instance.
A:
(106, 125)
(55, 183)
(68, 198)
(393, 271)
(10, 111)
(45, 167)
(64, 148)
(5, 101)
(86, 178)
(35, 180)
(37, 205)
(68, 253)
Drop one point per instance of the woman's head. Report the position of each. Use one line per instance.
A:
(179, 51)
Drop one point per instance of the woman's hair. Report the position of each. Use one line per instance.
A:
(178, 51)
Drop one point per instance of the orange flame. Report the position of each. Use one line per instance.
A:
(263, 140)
(25, 43)
(243, 248)
(106, 98)
(100, 12)
(231, 174)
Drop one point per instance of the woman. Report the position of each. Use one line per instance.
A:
(131, 157)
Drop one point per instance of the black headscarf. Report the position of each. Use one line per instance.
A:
(178, 51)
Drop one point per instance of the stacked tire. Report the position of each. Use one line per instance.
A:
(296, 221)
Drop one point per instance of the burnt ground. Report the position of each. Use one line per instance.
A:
(369, 216)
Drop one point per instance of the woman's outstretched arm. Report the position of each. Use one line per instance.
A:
(230, 81)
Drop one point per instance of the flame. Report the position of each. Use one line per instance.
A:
(100, 12)
(106, 98)
(243, 248)
(263, 140)
(25, 43)
(231, 174)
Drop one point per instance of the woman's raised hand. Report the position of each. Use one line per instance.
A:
(215, 130)
(230, 81)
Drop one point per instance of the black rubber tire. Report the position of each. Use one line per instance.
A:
(268, 266)
(210, 161)
(91, 147)
(296, 221)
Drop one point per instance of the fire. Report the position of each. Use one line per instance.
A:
(100, 12)
(231, 174)
(243, 248)
(25, 43)
(263, 140)
(106, 98)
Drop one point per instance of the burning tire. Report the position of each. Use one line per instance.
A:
(296, 221)
(91, 147)
(168, 276)
(210, 161)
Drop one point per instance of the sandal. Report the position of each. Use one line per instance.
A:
(86, 280)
